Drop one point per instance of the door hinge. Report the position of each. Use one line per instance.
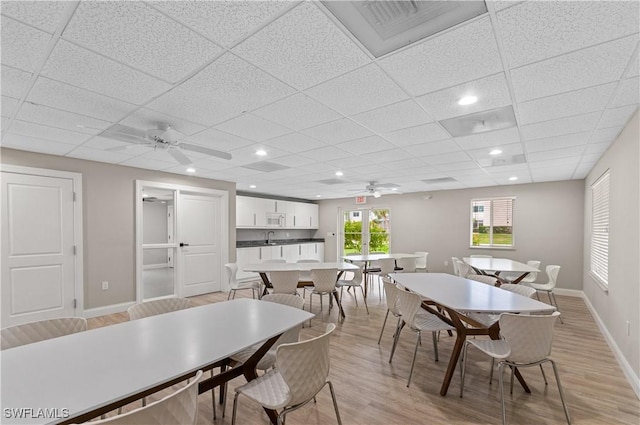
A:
(74, 250)
(75, 303)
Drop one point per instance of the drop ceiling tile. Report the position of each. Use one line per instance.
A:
(617, 117)
(489, 139)
(294, 161)
(566, 104)
(79, 67)
(253, 127)
(583, 169)
(492, 92)
(420, 134)
(507, 151)
(566, 141)
(61, 119)
(550, 174)
(337, 131)
(368, 169)
(577, 124)
(146, 163)
(584, 68)
(303, 48)
(103, 143)
(346, 162)
(297, 112)
(44, 15)
(141, 37)
(219, 140)
(321, 168)
(63, 96)
(432, 148)
(461, 168)
(14, 82)
(394, 117)
(598, 148)
(8, 106)
(294, 142)
(224, 89)
(628, 93)
(403, 164)
(247, 154)
(572, 153)
(446, 158)
(47, 133)
(98, 155)
(146, 118)
(592, 157)
(390, 155)
(222, 21)
(326, 153)
(365, 145)
(358, 91)
(506, 170)
(33, 144)
(23, 47)
(445, 59)
(211, 163)
(533, 31)
(605, 134)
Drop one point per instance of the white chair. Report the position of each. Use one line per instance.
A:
(552, 274)
(463, 269)
(391, 293)
(301, 372)
(418, 321)
(408, 265)
(324, 283)
(421, 263)
(489, 280)
(531, 277)
(28, 333)
(285, 282)
(234, 285)
(180, 407)
(488, 319)
(454, 263)
(152, 308)
(386, 266)
(354, 282)
(305, 277)
(526, 342)
(480, 256)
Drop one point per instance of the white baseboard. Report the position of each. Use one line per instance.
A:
(633, 379)
(569, 292)
(108, 309)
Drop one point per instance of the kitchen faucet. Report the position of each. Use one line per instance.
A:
(269, 233)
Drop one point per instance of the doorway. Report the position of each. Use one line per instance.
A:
(181, 240)
(365, 231)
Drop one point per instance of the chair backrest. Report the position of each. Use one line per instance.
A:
(304, 366)
(275, 260)
(180, 407)
(421, 263)
(152, 308)
(356, 276)
(408, 305)
(532, 276)
(29, 333)
(292, 335)
(480, 256)
(552, 273)
(324, 280)
(284, 282)
(408, 264)
(387, 265)
(391, 293)
(525, 291)
(231, 270)
(463, 268)
(489, 280)
(529, 337)
(454, 263)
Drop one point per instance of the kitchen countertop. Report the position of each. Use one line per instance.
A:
(275, 242)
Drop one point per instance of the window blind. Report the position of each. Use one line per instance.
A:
(600, 229)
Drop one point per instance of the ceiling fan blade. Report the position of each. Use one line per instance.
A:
(179, 156)
(206, 151)
(125, 147)
(125, 134)
(387, 185)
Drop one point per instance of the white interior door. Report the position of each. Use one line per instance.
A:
(199, 239)
(38, 253)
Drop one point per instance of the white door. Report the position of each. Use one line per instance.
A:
(38, 258)
(199, 240)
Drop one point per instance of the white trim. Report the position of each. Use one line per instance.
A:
(633, 379)
(107, 309)
(78, 221)
(578, 293)
(155, 266)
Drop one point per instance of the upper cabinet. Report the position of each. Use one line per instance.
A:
(270, 213)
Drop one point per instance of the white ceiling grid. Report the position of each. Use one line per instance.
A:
(288, 78)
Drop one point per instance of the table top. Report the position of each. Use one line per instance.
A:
(375, 257)
(87, 370)
(498, 264)
(303, 267)
(467, 295)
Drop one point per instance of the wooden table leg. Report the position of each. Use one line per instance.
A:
(335, 295)
(516, 281)
(461, 336)
(265, 280)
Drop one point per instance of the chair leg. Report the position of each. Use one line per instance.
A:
(213, 399)
(335, 401)
(552, 295)
(500, 379)
(231, 291)
(538, 295)
(493, 361)
(383, 324)
(463, 369)
(435, 344)
(543, 375)
(413, 362)
(564, 405)
(364, 299)
(235, 409)
(513, 372)
(396, 336)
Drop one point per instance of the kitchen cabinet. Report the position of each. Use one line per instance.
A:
(255, 213)
(252, 212)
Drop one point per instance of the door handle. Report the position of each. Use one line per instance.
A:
(183, 244)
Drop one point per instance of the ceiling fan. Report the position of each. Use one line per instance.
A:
(161, 138)
(375, 189)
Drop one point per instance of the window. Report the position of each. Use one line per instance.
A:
(492, 222)
(600, 229)
(365, 231)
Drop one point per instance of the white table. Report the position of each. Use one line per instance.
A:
(494, 266)
(264, 268)
(368, 258)
(456, 296)
(96, 371)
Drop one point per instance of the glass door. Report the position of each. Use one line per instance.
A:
(365, 231)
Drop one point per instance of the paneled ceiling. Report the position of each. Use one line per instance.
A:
(289, 79)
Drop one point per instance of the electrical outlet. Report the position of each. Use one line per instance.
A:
(105, 286)
(446, 263)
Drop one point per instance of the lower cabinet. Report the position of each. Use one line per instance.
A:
(290, 253)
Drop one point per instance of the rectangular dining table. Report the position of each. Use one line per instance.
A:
(494, 266)
(457, 296)
(264, 268)
(83, 375)
(366, 259)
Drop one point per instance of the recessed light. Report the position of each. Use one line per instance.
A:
(144, 195)
(514, 178)
(318, 196)
(467, 100)
(339, 173)
(394, 188)
(495, 152)
(261, 152)
(190, 170)
(252, 186)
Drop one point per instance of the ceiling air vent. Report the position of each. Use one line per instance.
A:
(384, 26)
(440, 180)
(265, 166)
(332, 181)
(480, 122)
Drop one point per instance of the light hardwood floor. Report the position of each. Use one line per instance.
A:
(372, 391)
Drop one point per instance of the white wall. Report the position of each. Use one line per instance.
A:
(548, 225)
(622, 302)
